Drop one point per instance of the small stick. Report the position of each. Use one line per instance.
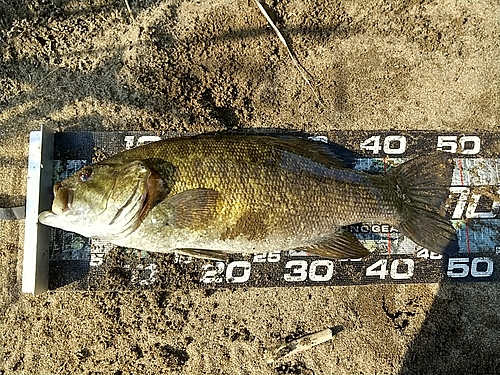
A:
(292, 56)
(301, 344)
(130, 11)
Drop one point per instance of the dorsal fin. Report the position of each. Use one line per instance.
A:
(316, 151)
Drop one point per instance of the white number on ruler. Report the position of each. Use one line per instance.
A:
(396, 144)
(320, 270)
(471, 203)
(298, 270)
(424, 253)
(379, 268)
(479, 267)
(272, 257)
(393, 144)
(235, 272)
(469, 144)
(319, 264)
(212, 273)
(129, 140)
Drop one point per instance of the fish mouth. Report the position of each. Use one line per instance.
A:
(63, 198)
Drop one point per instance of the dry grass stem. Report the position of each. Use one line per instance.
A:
(129, 10)
(301, 70)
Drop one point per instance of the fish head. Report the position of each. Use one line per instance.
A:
(103, 201)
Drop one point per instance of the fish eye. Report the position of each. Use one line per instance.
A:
(85, 175)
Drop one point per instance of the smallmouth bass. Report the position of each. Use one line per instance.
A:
(210, 195)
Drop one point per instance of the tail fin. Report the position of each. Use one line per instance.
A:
(424, 186)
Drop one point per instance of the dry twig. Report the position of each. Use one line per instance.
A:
(290, 53)
(301, 344)
(129, 11)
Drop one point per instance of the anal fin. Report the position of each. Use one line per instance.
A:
(342, 244)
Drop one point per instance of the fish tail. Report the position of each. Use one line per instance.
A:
(423, 186)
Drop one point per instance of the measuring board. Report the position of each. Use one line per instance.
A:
(78, 263)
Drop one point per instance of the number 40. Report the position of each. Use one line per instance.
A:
(392, 145)
(379, 268)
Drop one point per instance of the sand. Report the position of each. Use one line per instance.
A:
(216, 65)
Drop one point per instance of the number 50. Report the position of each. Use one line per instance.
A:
(469, 144)
(479, 267)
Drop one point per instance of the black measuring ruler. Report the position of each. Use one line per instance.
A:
(80, 263)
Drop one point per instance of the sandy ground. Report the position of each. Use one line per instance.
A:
(216, 65)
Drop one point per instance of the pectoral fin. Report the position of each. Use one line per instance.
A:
(203, 254)
(341, 244)
(192, 208)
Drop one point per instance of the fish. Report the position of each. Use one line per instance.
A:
(208, 196)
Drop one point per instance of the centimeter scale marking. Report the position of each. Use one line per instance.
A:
(475, 189)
